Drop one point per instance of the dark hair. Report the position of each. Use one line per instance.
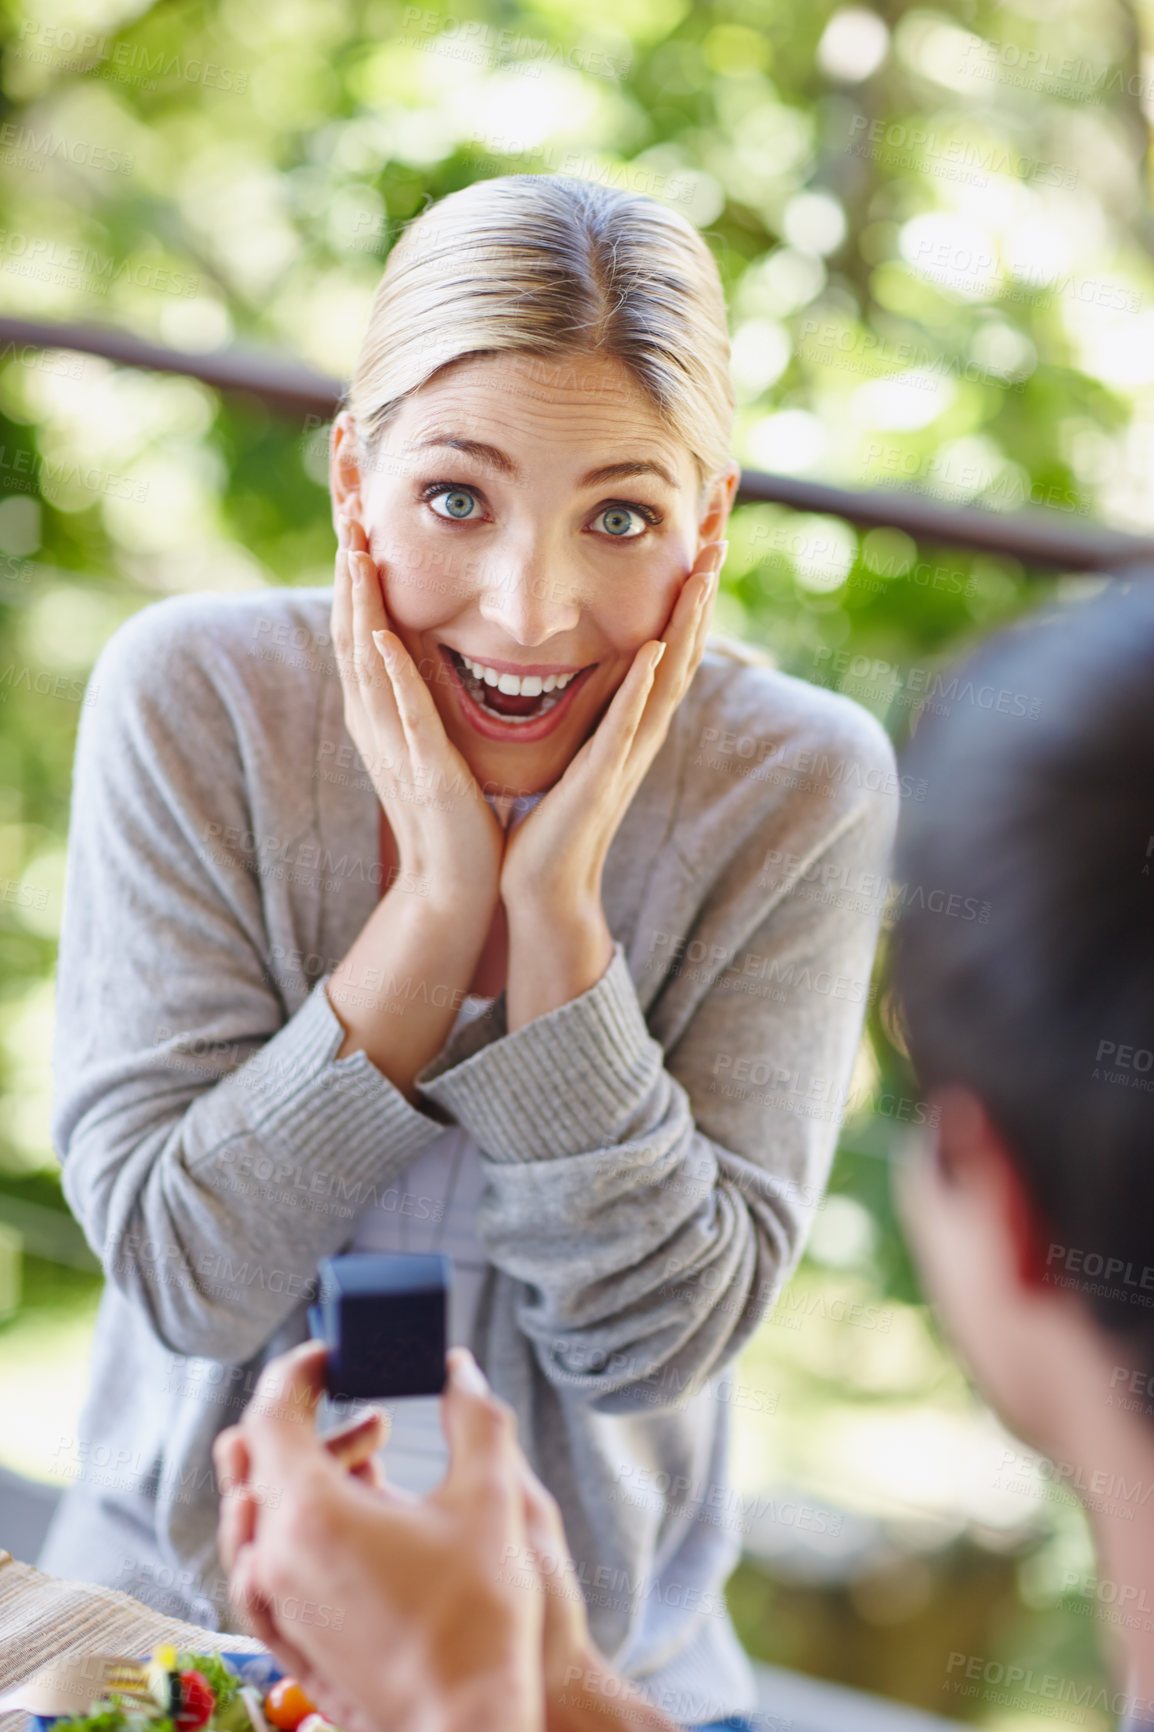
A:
(1037, 991)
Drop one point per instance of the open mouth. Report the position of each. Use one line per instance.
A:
(510, 707)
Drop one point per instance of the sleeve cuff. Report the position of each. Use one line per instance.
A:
(564, 1084)
(343, 1110)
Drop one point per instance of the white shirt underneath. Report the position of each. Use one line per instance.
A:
(433, 1207)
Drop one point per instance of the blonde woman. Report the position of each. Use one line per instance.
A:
(470, 906)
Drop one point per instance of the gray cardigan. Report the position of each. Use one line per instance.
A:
(653, 1150)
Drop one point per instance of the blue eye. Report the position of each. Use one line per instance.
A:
(619, 520)
(458, 502)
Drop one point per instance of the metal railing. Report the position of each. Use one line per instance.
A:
(1041, 540)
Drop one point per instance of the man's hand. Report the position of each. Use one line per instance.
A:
(492, 1606)
(583, 1692)
(397, 1614)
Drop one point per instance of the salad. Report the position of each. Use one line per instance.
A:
(185, 1692)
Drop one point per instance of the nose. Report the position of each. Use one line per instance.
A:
(529, 603)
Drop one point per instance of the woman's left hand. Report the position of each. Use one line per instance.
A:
(552, 864)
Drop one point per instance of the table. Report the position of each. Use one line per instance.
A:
(43, 1617)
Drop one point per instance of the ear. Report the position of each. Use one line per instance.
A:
(718, 505)
(974, 1158)
(345, 468)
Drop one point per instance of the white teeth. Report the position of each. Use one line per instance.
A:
(526, 686)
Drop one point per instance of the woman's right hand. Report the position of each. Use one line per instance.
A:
(448, 838)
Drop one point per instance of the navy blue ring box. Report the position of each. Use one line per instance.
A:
(383, 1319)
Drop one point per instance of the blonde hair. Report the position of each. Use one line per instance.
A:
(557, 267)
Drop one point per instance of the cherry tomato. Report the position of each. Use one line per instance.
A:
(197, 1701)
(286, 1705)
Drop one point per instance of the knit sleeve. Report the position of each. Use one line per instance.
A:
(213, 1146)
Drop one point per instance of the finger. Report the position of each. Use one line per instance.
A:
(368, 615)
(257, 1612)
(352, 1444)
(230, 1458)
(280, 1420)
(375, 683)
(420, 719)
(546, 1539)
(691, 613)
(652, 689)
(341, 612)
(372, 1473)
(236, 1527)
(685, 636)
(481, 1431)
(612, 742)
(715, 553)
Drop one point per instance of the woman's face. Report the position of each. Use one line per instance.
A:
(534, 518)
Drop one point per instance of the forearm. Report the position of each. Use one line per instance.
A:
(553, 958)
(399, 988)
(211, 1215)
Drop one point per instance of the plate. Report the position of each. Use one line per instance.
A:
(259, 1670)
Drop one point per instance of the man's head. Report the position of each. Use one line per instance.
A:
(1029, 1009)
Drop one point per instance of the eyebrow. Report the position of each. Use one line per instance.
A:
(505, 465)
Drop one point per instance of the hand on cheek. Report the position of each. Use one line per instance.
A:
(555, 857)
